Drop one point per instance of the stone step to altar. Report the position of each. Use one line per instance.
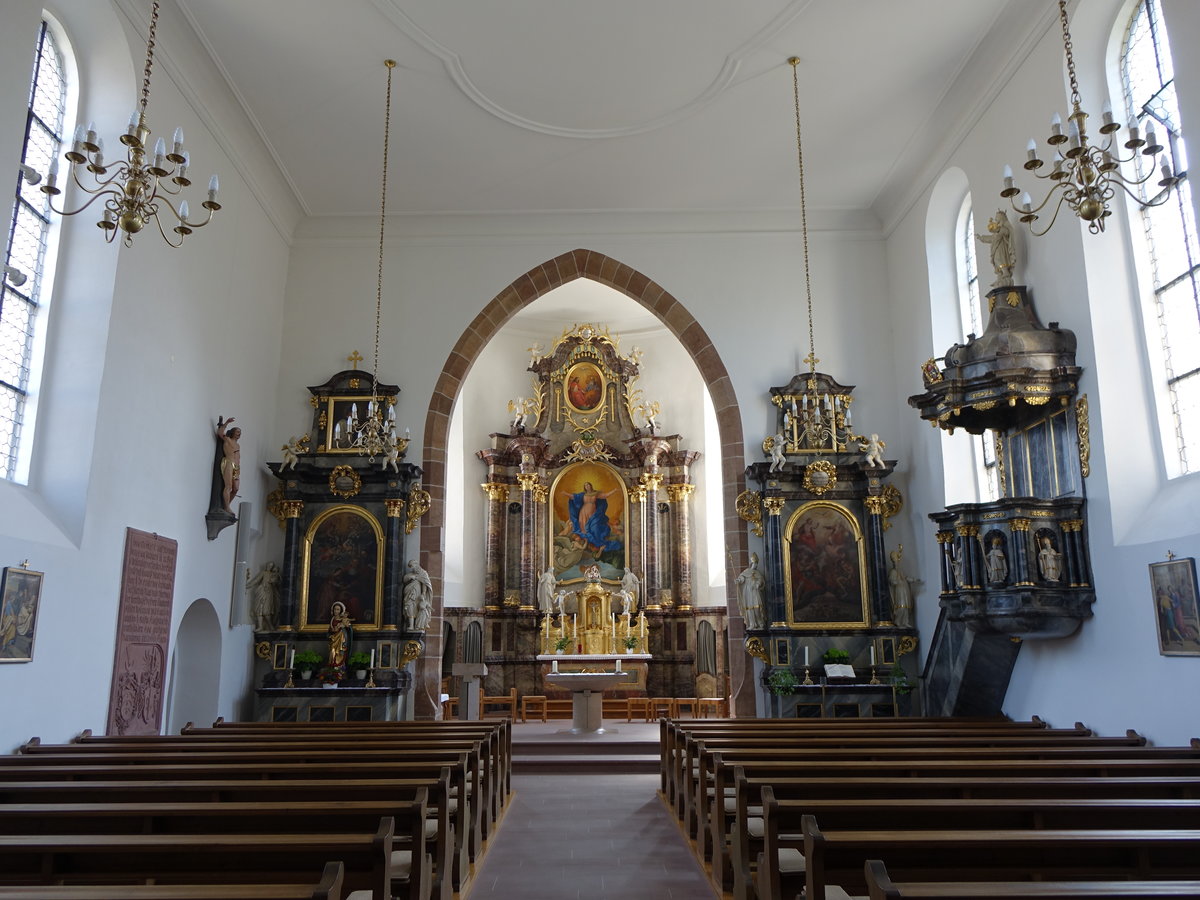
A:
(580, 763)
(550, 748)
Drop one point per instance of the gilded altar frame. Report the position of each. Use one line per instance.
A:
(356, 554)
(823, 574)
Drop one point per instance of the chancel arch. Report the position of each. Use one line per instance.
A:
(677, 321)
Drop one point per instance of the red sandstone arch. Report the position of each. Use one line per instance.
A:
(533, 284)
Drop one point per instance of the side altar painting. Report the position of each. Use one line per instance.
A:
(588, 524)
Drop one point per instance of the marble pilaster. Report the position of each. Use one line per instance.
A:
(289, 581)
(393, 564)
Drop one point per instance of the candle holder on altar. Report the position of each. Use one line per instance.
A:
(370, 678)
(874, 677)
(807, 677)
(289, 683)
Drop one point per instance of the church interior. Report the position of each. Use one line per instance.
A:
(686, 360)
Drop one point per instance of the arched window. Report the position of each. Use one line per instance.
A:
(25, 287)
(970, 310)
(1148, 79)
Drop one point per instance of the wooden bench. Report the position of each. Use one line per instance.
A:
(880, 886)
(464, 814)
(507, 701)
(328, 888)
(745, 835)
(199, 858)
(815, 858)
(534, 704)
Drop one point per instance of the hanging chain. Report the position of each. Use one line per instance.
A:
(812, 351)
(149, 58)
(1076, 101)
(387, 132)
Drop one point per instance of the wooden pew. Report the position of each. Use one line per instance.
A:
(226, 807)
(328, 888)
(745, 834)
(713, 784)
(198, 858)
(838, 857)
(880, 886)
(464, 815)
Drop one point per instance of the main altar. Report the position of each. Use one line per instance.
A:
(588, 523)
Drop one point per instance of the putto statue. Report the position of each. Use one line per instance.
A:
(778, 445)
(873, 448)
(292, 451)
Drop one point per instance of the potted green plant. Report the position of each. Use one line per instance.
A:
(782, 682)
(561, 644)
(835, 656)
(305, 662)
(630, 641)
(359, 662)
(900, 680)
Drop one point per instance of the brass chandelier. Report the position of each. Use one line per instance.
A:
(1085, 176)
(375, 435)
(138, 191)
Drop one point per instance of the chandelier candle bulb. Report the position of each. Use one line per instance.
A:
(1106, 114)
(90, 137)
(98, 156)
(183, 212)
(1031, 157)
(1055, 128)
(177, 142)
(1026, 203)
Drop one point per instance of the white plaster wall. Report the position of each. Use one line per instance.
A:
(1110, 675)
(151, 344)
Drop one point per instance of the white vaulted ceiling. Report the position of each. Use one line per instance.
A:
(665, 105)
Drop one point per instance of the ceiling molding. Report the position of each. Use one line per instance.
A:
(724, 79)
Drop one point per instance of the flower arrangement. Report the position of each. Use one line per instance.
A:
(630, 641)
(332, 674)
(562, 643)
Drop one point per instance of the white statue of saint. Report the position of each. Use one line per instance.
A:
(752, 594)
(900, 587)
(996, 562)
(545, 589)
(264, 591)
(874, 450)
(778, 445)
(626, 602)
(418, 597)
(1049, 561)
(630, 584)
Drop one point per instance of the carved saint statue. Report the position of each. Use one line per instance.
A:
(264, 593)
(873, 448)
(1000, 239)
(778, 445)
(1049, 561)
(996, 562)
(900, 586)
(956, 565)
(560, 602)
(752, 593)
(630, 584)
(418, 596)
(626, 602)
(341, 632)
(545, 589)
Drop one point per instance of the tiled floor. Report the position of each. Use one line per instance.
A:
(589, 837)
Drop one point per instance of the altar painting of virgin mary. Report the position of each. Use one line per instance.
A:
(825, 567)
(587, 522)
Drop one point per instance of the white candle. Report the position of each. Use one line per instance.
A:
(292, 659)
(372, 658)
(872, 654)
(806, 656)
(618, 667)
(554, 666)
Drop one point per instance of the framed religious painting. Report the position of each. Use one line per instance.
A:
(588, 518)
(1173, 587)
(825, 567)
(583, 387)
(342, 564)
(20, 596)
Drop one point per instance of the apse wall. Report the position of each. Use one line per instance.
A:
(1110, 674)
(150, 345)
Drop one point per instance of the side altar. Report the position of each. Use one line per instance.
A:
(350, 614)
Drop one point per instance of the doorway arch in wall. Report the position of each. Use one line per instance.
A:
(554, 273)
(196, 668)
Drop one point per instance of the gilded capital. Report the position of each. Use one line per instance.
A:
(292, 508)
(395, 508)
(528, 480)
(652, 481)
(541, 493)
(773, 505)
(637, 495)
(1018, 524)
(945, 537)
(875, 505)
(495, 491)
(677, 492)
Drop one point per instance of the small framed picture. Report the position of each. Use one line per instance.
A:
(1173, 587)
(783, 654)
(887, 651)
(279, 656)
(385, 659)
(20, 595)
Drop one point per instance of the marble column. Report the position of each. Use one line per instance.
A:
(289, 580)
(776, 611)
(945, 541)
(969, 550)
(541, 494)
(636, 521)
(1073, 552)
(881, 599)
(393, 564)
(653, 581)
(529, 507)
(680, 495)
(1021, 552)
(493, 564)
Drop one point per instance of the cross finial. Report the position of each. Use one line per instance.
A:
(25, 564)
(1170, 555)
(812, 360)
(354, 358)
